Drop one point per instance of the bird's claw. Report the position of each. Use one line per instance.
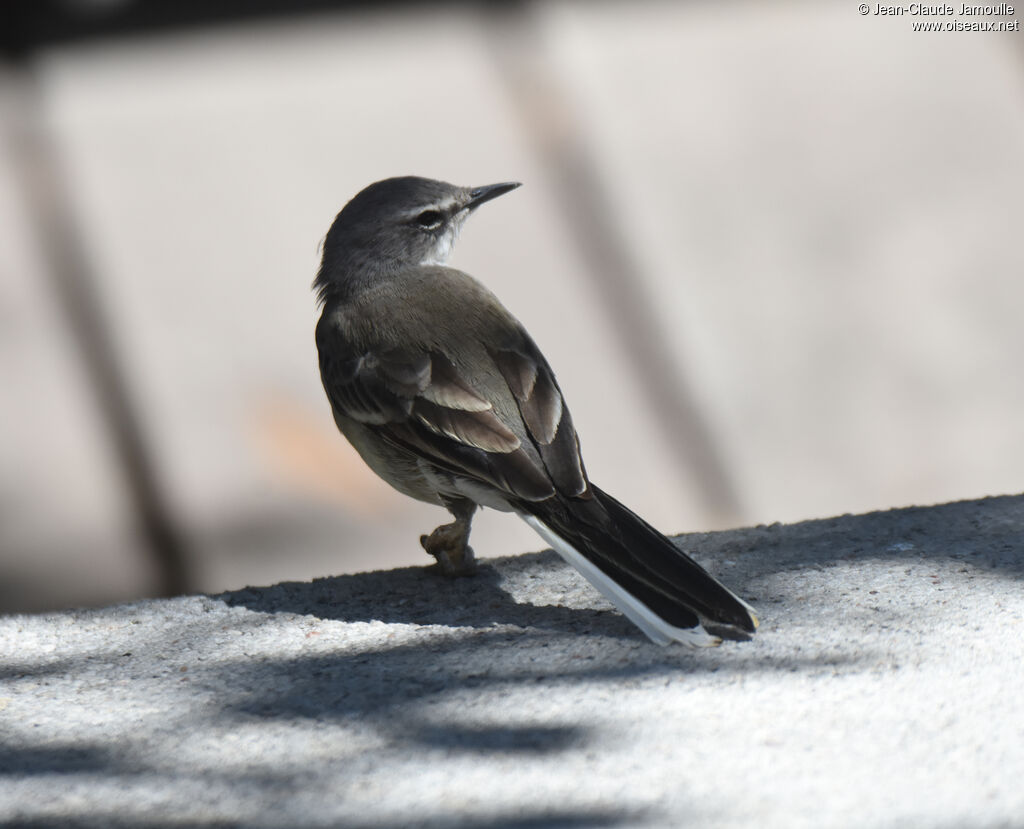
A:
(448, 545)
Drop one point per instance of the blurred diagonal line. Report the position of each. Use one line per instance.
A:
(46, 197)
(547, 114)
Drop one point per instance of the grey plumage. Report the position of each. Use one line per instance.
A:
(446, 397)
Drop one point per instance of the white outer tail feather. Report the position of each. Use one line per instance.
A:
(654, 627)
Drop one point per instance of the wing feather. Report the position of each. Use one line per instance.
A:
(481, 429)
(509, 427)
(545, 414)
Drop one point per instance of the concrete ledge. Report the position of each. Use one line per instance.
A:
(882, 690)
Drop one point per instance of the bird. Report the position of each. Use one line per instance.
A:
(448, 399)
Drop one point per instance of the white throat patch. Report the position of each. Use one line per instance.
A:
(446, 241)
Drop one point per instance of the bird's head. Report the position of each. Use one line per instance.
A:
(396, 223)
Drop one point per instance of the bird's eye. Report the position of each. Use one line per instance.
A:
(429, 219)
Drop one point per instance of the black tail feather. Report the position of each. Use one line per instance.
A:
(642, 561)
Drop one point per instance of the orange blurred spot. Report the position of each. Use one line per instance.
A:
(309, 452)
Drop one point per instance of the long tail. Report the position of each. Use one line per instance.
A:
(663, 591)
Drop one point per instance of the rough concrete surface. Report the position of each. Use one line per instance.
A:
(883, 690)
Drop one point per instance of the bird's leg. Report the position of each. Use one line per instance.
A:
(449, 543)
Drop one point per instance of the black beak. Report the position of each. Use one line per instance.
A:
(478, 195)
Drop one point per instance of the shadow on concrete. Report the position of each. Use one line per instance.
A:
(69, 758)
(537, 739)
(421, 596)
(74, 763)
(568, 819)
(387, 683)
(986, 533)
(19, 670)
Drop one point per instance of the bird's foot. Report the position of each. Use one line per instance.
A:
(448, 545)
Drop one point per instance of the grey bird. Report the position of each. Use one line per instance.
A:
(447, 398)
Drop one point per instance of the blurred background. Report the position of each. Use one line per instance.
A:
(773, 251)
